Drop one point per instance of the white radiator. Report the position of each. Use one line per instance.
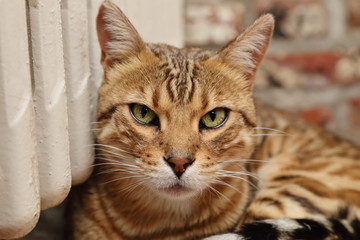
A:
(49, 74)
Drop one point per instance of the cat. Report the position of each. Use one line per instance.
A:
(184, 151)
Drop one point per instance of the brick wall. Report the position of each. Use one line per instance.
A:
(312, 68)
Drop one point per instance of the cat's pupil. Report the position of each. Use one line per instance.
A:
(212, 115)
(144, 111)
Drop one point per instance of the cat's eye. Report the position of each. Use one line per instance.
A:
(142, 113)
(215, 118)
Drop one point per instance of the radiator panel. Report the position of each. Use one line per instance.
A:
(50, 102)
(19, 184)
(77, 74)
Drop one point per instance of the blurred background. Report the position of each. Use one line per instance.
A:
(312, 68)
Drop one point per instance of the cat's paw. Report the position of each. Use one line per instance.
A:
(226, 236)
(319, 228)
(279, 229)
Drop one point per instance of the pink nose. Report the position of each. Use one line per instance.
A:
(178, 164)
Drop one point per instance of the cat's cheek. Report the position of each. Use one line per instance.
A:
(105, 133)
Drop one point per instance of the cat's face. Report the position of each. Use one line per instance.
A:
(175, 121)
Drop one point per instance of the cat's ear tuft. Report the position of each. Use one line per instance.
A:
(117, 36)
(247, 50)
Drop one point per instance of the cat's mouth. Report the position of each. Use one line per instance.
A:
(177, 191)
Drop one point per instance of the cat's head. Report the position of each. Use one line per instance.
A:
(175, 121)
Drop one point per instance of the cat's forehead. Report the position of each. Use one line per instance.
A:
(174, 54)
(180, 69)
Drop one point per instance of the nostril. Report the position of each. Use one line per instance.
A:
(179, 164)
(172, 165)
(186, 165)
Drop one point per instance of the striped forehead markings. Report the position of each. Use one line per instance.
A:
(179, 70)
(182, 83)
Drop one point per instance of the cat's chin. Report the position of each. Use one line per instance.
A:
(177, 192)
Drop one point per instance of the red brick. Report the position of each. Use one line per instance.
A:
(317, 115)
(310, 70)
(213, 22)
(347, 70)
(296, 18)
(354, 120)
(355, 102)
(311, 64)
(321, 63)
(353, 13)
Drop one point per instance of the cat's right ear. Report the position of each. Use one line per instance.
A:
(118, 38)
(247, 50)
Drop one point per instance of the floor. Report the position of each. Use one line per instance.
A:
(51, 225)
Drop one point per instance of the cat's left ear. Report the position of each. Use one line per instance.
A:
(118, 38)
(247, 50)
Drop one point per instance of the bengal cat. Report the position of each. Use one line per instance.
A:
(184, 152)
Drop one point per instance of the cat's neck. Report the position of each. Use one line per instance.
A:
(143, 208)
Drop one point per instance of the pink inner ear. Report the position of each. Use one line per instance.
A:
(117, 36)
(247, 50)
(257, 56)
(267, 32)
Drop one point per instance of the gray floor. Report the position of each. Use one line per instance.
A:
(51, 225)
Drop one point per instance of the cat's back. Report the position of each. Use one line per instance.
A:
(298, 136)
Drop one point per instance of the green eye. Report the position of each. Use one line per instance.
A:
(142, 113)
(215, 118)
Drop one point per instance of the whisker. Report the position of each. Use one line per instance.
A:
(247, 160)
(89, 129)
(241, 178)
(113, 153)
(95, 129)
(218, 193)
(245, 173)
(133, 186)
(120, 154)
(227, 184)
(115, 164)
(114, 156)
(269, 134)
(243, 161)
(118, 170)
(270, 129)
(109, 146)
(118, 179)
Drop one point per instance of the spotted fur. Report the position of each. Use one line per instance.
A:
(260, 175)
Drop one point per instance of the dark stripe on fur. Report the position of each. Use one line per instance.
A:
(155, 98)
(340, 230)
(259, 231)
(108, 114)
(311, 230)
(272, 202)
(246, 120)
(304, 202)
(286, 178)
(355, 224)
(168, 87)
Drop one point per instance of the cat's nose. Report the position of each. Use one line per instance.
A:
(179, 164)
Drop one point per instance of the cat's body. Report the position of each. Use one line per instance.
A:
(183, 154)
